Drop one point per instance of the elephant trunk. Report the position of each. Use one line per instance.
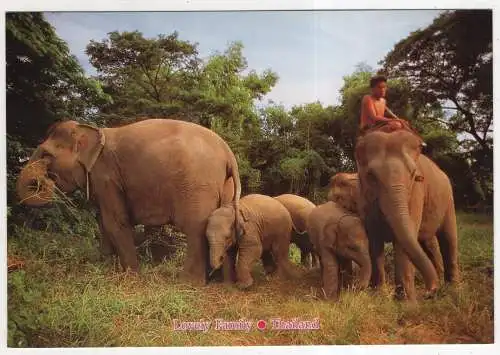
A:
(33, 186)
(217, 253)
(365, 266)
(394, 205)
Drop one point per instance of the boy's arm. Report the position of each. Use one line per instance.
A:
(391, 114)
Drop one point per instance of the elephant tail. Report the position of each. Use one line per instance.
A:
(294, 227)
(233, 171)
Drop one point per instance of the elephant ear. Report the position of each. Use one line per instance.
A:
(359, 153)
(89, 142)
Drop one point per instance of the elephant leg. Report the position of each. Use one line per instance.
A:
(448, 242)
(305, 258)
(297, 239)
(346, 272)
(432, 249)
(330, 274)
(116, 225)
(364, 262)
(196, 263)
(404, 275)
(105, 245)
(377, 257)
(229, 266)
(268, 262)
(284, 266)
(314, 259)
(249, 253)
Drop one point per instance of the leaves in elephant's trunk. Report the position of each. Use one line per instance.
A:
(33, 186)
(36, 188)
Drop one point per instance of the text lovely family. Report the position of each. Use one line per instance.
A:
(246, 325)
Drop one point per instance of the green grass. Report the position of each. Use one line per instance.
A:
(66, 296)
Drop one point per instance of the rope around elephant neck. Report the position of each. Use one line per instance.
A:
(102, 142)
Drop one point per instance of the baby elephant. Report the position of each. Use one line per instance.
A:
(299, 209)
(339, 237)
(265, 233)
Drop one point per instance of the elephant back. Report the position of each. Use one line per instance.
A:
(299, 209)
(267, 213)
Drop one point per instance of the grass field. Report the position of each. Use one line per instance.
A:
(66, 297)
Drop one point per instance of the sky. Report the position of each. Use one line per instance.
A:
(311, 51)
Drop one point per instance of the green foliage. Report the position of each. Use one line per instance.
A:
(222, 82)
(44, 82)
(145, 77)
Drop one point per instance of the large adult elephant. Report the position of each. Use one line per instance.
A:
(152, 172)
(344, 190)
(404, 190)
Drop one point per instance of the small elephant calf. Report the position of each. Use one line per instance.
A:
(339, 237)
(299, 209)
(265, 233)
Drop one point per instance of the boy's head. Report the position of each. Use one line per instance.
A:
(378, 84)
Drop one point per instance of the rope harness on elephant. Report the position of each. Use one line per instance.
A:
(387, 127)
(93, 159)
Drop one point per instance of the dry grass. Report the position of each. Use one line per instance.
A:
(65, 296)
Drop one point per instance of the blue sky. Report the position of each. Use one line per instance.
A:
(310, 50)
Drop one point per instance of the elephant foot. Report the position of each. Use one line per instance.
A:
(401, 295)
(430, 295)
(288, 272)
(244, 285)
(129, 265)
(128, 272)
(229, 278)
(216, 275)
(269, 269)
(192, 279)
(329, 294)
(228, 275)
(106, 250)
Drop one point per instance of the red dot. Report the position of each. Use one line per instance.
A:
(261, 324)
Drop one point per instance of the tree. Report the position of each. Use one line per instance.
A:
(145, 77)
(44, 82)
(226, 104)
(226, 95)
(450, 63)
